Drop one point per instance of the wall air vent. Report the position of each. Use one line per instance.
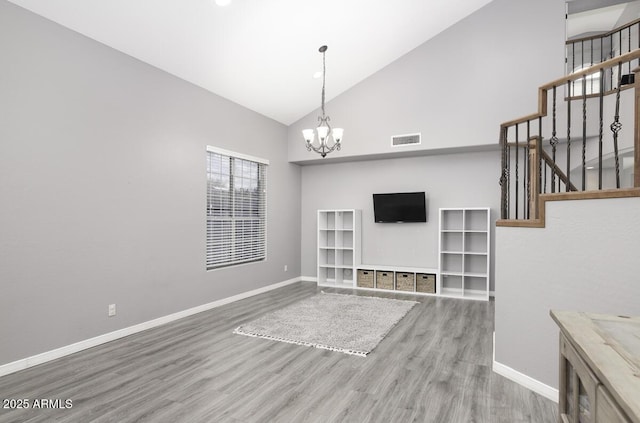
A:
(407, 139)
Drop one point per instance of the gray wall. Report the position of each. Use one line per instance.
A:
(102, 189)
(456, 88)
(585, 260)
(453, 180)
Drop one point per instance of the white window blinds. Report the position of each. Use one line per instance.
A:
(236, 208)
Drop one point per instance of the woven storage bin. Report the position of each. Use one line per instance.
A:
(404, 281)
(365, 278)
(384, 279)
(426, 282)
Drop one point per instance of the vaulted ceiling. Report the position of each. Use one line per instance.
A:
(261, 54)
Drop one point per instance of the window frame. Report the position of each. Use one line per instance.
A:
(237, 221)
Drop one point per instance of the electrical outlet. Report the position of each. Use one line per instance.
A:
(112, 310)
(285, 267)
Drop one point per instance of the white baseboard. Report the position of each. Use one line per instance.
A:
(522, 379)
(25, 363)
(526, 381)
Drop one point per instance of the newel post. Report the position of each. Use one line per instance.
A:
(534, 175)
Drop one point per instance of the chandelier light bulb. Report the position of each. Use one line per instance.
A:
(323, 131)
(308, 135)
(337, 134)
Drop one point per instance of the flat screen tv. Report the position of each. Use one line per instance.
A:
(400, 207)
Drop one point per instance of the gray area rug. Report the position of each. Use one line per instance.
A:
(346, 323)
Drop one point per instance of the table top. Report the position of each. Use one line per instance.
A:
(610, 345)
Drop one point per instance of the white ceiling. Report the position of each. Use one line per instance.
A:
(594, 21)
(261, 54)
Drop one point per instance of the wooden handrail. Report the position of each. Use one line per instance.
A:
(556, 170)
(531, 145)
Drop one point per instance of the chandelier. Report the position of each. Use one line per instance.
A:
(328, 138)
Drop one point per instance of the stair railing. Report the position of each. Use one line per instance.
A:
(533, 165)
(588, 51)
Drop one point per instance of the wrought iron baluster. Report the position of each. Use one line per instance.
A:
(619, 46)
(539, 154)
(568, 184)
(616, 126)
(612, 53)
(527, 172)
(517, 196)
(503, 175)
(582, 57)
(554, 142)
(600, 132)
(584, 133)
(573, 57)
(630, 47)
(610, 72)
(509, 180)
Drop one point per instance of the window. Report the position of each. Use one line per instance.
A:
(591, 82)
(236, 208)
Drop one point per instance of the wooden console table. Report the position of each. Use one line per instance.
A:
(599, 367)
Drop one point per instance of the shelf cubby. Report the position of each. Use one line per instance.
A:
(451, 241)
(475, 264)
(347, 238)
(453, 221)
(451, 285)
(476, 220)
(451, 263)
(476, 242)
(344, 258)
(474, 285)
(344, 220)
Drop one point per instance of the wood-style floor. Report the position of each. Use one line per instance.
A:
(434, 366)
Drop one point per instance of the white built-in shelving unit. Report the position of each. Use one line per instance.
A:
(463, 258)
(339, 248)
(464, 253)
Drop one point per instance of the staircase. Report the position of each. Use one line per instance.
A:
(580, 144)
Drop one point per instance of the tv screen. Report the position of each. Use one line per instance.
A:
(400, 207)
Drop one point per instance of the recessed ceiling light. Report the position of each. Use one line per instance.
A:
(317, 75)
(223, 2)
